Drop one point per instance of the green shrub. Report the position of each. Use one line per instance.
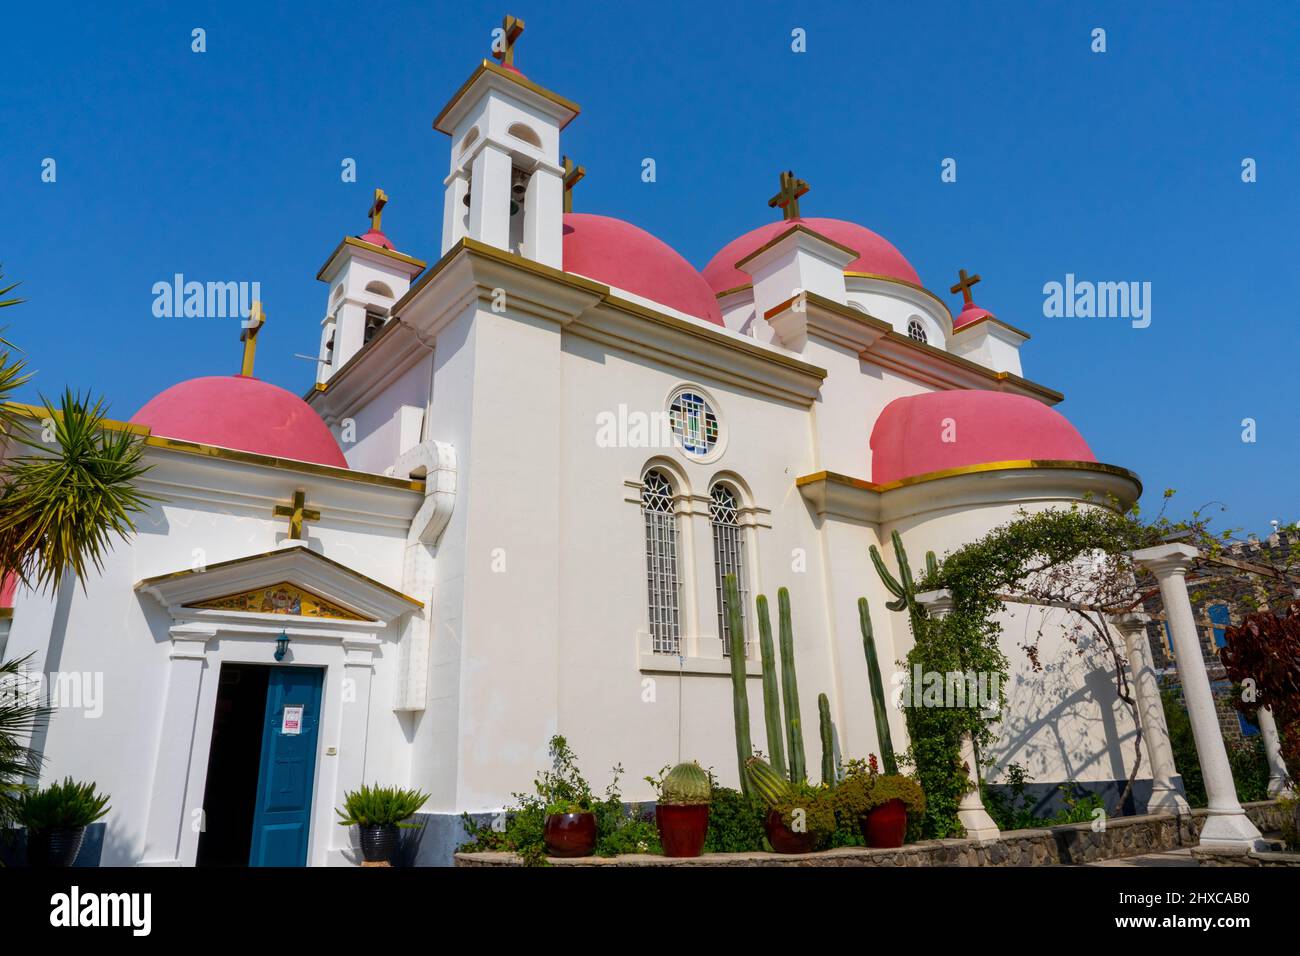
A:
(380, 806)
(735, 822)
(563, 789)
(66, 804)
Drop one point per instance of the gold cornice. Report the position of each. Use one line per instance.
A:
(487, 66)
(287, 464)
(965, 363)
(369, 247)
(996, 321)
(830, 305)
(1013, 465)
(697, 328)
(110, 424)
(246, 559)
(733, 290)
(781, 236)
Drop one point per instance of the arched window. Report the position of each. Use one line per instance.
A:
(525, 133)
(379, 288)
(916, 331)
(728, 555)
(661, 562)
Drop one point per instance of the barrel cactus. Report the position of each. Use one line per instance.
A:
(686, 784)
(768, 785)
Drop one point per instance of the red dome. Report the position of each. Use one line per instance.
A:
(909, 436)
(246, 414)
(970, 313)
(875, 253)
(619, 254)
(377, 238)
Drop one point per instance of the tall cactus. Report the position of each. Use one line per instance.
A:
(771, 700)
(739, 695)
(877, 688)
(828, 739)
(903, 587)
(790, 690)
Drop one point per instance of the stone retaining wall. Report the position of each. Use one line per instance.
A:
(1069, 844)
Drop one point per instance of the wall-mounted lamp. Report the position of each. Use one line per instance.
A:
(281, 646)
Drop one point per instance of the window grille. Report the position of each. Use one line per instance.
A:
(661, 563)
(916, 331)
(728, 558)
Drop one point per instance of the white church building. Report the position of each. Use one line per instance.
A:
(505, 507)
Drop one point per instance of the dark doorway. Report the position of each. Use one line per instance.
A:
(230, 797)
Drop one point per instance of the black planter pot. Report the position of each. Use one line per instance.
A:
(378, 842)
(54, 846)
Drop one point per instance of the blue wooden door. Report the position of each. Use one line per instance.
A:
(282, 818)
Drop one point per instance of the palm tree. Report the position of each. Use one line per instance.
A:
(61, 509)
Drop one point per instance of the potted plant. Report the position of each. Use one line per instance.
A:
(379, 812)
(682, 811)
(56, 819)
(879, 802)
(570, 827)
(798, 817)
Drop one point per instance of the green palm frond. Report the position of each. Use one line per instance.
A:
(20, 713)
(6, 290)
(62, 508)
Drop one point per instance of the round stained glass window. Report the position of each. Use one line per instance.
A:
(694, 424)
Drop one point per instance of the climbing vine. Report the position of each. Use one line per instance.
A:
(1076, 559)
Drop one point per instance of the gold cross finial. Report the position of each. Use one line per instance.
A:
(964, 283)
(572, 176)
(377, 209)
(792, 187)
(297, 513)
(503, 47)
(251, 326)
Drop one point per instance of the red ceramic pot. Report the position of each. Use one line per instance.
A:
(885, 826)
(682, 828)
(785, 840)
(570, 834)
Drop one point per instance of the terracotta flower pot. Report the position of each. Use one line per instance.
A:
(885, 826)
(682, 828)
(785, 840)
(570, 834)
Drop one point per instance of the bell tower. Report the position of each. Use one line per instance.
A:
(366, 276)
(505, 186)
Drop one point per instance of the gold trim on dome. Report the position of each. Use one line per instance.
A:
(487, 66)
(860, 275)
(983, 467)
(282, 598)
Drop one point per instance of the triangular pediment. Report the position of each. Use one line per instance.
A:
(291, 581)
(280, 598)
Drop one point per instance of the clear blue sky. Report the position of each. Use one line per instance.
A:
(1119, 166)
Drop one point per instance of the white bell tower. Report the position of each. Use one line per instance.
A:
(505, 186)
(366, 276)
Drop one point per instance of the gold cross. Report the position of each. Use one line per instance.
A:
(297, 513)
(377, 209)
(964, 284)
(511, 28)
(572, 176)
(792, 187)
(253, 325)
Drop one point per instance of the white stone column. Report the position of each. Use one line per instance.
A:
(1279, 781)
(1227, 827)
(1166, 785)
(979, 825)
(167, 805)
(489, 202)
